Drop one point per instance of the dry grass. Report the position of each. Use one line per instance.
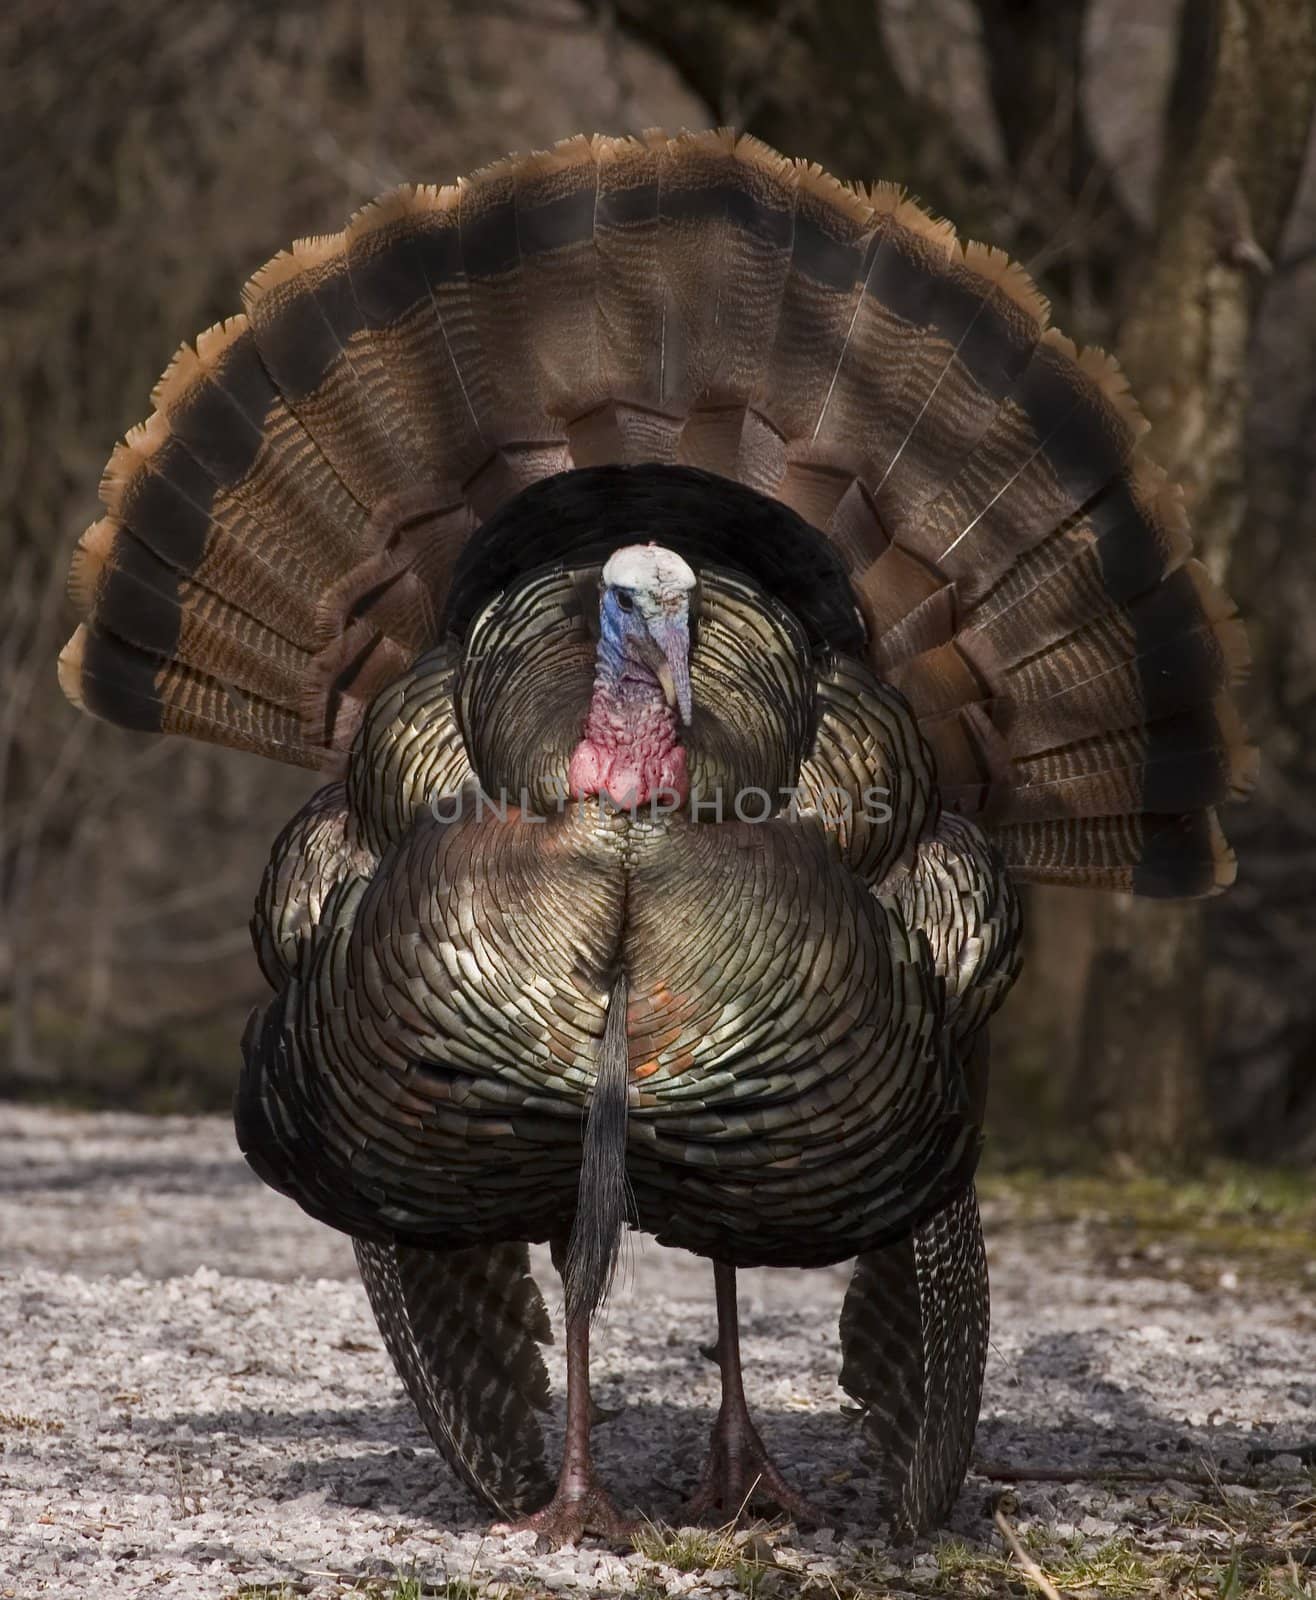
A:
(743, 1556)
(1232, 1226)
(19, 1422)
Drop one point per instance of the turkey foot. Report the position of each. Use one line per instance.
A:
(570, 1515)
(580, 1504)
(739, 1468)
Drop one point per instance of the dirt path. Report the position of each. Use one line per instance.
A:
(193, 1400)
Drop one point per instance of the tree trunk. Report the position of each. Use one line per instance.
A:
(1237, 129)
(814, 80)
(1076, 227)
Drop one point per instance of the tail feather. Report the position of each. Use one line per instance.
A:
(506, 370)
(102, 674)
(1174, 648)
(314, 343)
(1195, 758)
(727, 210)
(905, 252)
(287, 532)
(168, 500)
(225, 409)
(641, 345)
(984, 320)
(1062, 434)
(147, 603)
(556, 196)
(400, 252)
(602, 1198)
(726, 224)
(819, 303)
(1123, 544)
(1161, 857)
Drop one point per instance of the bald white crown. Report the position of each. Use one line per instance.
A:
(647, 566)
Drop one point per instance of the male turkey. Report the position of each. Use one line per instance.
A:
(547, 514)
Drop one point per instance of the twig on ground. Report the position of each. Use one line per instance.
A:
(1028, 1566)
(1004, 1472)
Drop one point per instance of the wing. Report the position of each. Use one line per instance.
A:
(914, 1347)
(464, 1328)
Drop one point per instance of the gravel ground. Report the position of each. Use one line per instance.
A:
(194, 1400)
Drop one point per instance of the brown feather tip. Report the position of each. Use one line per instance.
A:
(1161, 501)
(438, 199)
(719, 144)
(1105, 371)
(194, 362)
(886, 196)
(726, 146)
(565, 156)
(656, 139)
(1226, 624)
(505, 169)
(70, 667)
(396, 205)
(936, 234)
(753, 152)
(211, 345)
(176, 379)
(1105, 375)
(1005, 274)
(89, 562)
(1224, 862)
(304, 258)
(609, 150)
(1243, 757)
(853, 203)
(131, 456)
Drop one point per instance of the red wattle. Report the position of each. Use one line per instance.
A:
(631, 754)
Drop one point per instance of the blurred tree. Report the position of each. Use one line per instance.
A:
(1227, 184)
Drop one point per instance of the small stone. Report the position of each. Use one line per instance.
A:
(754, 1547)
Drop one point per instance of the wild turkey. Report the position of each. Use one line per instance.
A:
(542, 513)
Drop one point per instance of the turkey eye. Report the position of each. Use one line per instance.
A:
(625, 600)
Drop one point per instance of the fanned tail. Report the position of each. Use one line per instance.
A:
(303, 514)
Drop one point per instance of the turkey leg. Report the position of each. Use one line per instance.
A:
(739, 1468)
(580, 1503)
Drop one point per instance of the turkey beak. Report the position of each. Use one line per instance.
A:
(671, 661)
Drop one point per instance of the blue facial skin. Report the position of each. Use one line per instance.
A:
(619, 626)
(642, 636)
